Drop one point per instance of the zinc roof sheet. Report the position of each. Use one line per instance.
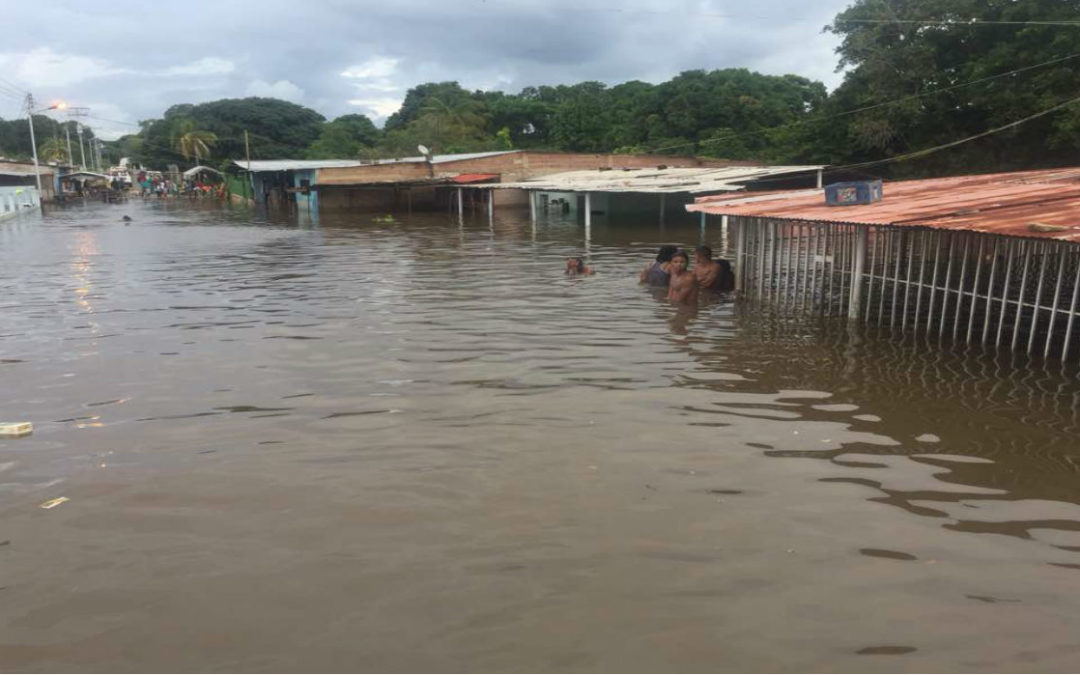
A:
(659, 181)
(260, 165)
(1041, 204)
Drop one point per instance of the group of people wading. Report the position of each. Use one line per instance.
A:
(671, 270)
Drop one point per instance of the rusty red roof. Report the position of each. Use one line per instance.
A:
(1043, 204)
(474, 177)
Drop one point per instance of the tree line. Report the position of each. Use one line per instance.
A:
(918, 74)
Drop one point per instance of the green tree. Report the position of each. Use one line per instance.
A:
(346, 137)
(191, 142)
(917, 74)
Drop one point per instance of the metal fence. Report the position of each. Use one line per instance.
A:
(1019, 293)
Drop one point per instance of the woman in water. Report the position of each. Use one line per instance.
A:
(684, 284)
(658, 273)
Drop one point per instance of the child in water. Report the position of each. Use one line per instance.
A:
(577, 267)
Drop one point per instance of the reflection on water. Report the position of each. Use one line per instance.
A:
(418, 445)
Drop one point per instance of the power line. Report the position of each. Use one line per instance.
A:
(960, 23)
(916, 154)
(853, 111)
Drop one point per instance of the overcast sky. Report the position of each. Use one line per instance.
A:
(130, 61)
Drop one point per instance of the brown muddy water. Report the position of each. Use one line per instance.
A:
(414, 446)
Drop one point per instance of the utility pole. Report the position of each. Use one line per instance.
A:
(82, 151)
(33, 142)
(247, 150)
(67, 133)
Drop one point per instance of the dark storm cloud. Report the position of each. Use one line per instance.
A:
(130, 62)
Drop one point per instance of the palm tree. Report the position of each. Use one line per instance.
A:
(190, 141)
(54, 150)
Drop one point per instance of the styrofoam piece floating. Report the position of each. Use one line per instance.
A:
(16, 429)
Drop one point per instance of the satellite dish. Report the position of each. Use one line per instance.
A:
(423, 150)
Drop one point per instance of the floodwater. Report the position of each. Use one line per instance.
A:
(418, 446)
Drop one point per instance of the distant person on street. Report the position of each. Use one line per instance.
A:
(714, 275)
(656, 273)
(577, 267)
(683, 286)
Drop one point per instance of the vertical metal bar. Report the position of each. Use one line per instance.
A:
(933, 281)
(1005, 292)
(827, 273)
(974, 287)
(1038, 298)
(762, 230)
(1020, 300)
(740, 253)
(860, 236)
(990, 289)
(799, 271)
(1072, 314)
(902, 237)
(1057, 299)
(925, 236)
(785, 262)
(805, 259)
(907, 281)
(960, 289)
(873, 270)
(888, 235)
(948, 280)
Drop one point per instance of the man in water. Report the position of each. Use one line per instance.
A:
(577, 267)
(714, 275)
(656, 273)
(683, 286)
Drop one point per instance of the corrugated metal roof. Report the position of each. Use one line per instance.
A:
(1003, 203)
(259, 165)
(694, 181)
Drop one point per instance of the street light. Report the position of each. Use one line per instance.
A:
(59, 105)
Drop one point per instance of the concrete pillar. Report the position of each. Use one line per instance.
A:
(460, 203)
(858, 263)
(532, 208)
(703, 227)
(588, 215)
(820, 178)
(491, 205)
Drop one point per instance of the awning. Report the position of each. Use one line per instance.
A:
(196, 170)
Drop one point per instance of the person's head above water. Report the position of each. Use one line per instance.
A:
(575, 266)
(679, 260)
(665, 253)
(703, 253)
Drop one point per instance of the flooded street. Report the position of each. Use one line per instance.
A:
(418, 446)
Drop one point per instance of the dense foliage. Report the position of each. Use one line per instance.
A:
(50, 136)
(918, 74)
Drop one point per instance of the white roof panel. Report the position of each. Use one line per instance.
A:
(695, 181)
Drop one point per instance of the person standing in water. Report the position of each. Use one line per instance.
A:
(714, 275)
(684, 285)
(656, 273)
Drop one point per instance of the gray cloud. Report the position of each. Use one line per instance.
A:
(340, 57)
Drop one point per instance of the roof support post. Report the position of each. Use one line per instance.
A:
(820, 178)
(491, 205)
(702, 227)
(858, 263)
(588, 215)
(662, 205)
(532, 208)
(740, 253)
(460, 203)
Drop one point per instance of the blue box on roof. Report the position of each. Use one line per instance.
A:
(855, 192)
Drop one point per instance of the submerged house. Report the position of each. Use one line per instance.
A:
(426, 182)
(988, 259)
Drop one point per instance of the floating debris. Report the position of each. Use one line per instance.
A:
(53, 503)
(16, 429)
